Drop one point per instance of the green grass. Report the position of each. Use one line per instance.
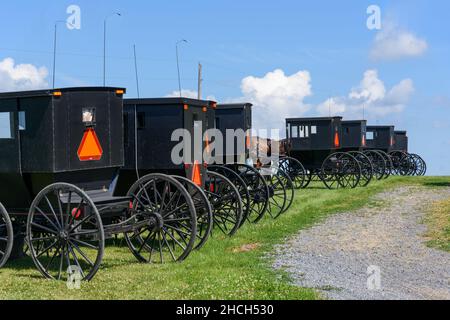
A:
(219, 271)
(438, 222)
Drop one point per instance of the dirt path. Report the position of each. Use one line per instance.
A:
(334, 257)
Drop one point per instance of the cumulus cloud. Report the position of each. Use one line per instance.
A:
(372, 96)
(191, 94)
(276, 96)
(15, 77)
(393, 43)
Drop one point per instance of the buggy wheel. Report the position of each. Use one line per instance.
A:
(290, 188)
(420, 166)
(240, 185)
(330, 172)
(389, 164)
(225, 201)
(378, 163)
(258, 189)
(277, 195)
(308, 178)
(65, 233)
(366, 168)
(203, 210)
(350, 174)
(164, 219)
(295, 170)
(401, 163)
(6, 236)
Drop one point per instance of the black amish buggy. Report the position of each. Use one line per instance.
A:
(152, 142)
(316, 143)
(262, 191)
(400, 141)
(405, 163)
(354, 142)
(62, 150)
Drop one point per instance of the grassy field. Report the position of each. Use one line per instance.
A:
(438, 221)
(226, 268)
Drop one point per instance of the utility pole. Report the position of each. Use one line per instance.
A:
(200, 80)
(136, 72)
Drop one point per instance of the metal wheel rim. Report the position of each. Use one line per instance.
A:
(171, 234)
(70, 238)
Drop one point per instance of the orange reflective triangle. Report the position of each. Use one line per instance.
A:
(90, 148)
(337, 142)
(196, 175)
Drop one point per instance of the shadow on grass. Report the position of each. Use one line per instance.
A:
(25, 263)
(438, 184)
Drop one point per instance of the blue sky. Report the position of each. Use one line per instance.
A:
(326, 40)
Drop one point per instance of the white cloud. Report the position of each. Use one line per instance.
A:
(393, 43)
(16, 77)
(276, 96)
(372, 96)
(191, 94)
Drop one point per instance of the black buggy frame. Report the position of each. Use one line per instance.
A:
(316, 144)
(263, 190)
(61, 162)
(217, 201)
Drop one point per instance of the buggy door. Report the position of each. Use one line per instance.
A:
(9, 137)
(195, 122)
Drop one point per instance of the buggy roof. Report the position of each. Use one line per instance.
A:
(401, 132)
(354, 121)
(313, 119)
(49, 92)
(168, 101)
(380, 127)
(234, 106)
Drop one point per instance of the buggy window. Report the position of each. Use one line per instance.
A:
(313, 129)
(370, 135)
(5, 125)
(304, 132)
(294, 132)
(22, 121)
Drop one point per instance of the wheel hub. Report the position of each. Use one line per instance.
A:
(156, 221)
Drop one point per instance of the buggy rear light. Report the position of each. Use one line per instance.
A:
(186, 107)
(120, 92)
(248, 142)
(364, 143)
(205, 109)
(77, 213)
(57, 94)
(88, 115)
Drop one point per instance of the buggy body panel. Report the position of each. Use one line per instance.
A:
(47, 129)
(237, 116)
(380, 138)
(312, 140)
(157, 119)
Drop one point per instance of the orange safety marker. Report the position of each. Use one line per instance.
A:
(90, 148)
(337, 142)
(364, 143)
(196, 174)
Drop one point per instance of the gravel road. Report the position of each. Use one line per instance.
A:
(343, 256)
